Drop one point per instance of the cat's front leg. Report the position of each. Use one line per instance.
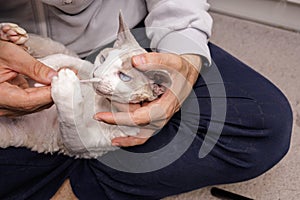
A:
(66, 94)
(13, 33)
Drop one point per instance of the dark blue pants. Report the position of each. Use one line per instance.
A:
(254, 137)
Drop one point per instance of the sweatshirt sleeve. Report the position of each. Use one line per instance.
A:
(181, 27)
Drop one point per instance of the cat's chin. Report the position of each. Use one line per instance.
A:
(103, 94)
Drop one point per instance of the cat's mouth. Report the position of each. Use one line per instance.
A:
(102, 89)
(99, 92)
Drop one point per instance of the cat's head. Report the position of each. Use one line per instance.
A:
(119, 80)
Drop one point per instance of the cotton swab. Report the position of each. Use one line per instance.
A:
(92, 80)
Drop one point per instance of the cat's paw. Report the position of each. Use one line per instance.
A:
(13, 33)
(65, 87)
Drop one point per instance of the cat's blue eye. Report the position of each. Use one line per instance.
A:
(124, 77)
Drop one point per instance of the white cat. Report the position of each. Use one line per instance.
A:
(68, 127)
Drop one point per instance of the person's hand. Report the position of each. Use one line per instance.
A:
(16, 98)
(184, 71)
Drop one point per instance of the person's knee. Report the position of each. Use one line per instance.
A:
(280, 128)
(276, 144)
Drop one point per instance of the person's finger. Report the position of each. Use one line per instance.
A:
(122, 107)
(140, 117)
(19, 81)
(120, 118)
(28, 99)
(152, 61)
(12, 112)
(6, 75)
(38, 96)
(5, 112)
(38, 71)
(128, 141)
(140, 139)
(123, 118)
(154, 116)
(26, 64)
(173, 63)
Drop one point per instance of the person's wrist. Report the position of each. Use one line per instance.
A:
(194, 64)
(194, 60)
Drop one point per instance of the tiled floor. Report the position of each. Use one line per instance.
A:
(276, 54)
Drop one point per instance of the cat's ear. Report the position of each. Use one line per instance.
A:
(160, 81)
(124, 34)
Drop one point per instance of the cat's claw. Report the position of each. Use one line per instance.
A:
(13, 33)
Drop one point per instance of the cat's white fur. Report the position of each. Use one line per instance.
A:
(68, 126)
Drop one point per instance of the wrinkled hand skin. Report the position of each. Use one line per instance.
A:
(184, 71)
(16, 98)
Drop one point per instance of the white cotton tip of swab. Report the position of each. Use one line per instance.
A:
(39, 85)
(92, 80)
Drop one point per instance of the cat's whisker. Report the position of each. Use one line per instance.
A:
(92, 80)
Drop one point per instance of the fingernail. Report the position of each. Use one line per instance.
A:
(97, 118)
(51, 74)
(115, 144)
(139, 60)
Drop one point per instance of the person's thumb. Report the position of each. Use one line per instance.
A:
(152, 61)
(39, 72)
(21, 62)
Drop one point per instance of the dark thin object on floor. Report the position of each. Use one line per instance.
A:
(223, 194)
